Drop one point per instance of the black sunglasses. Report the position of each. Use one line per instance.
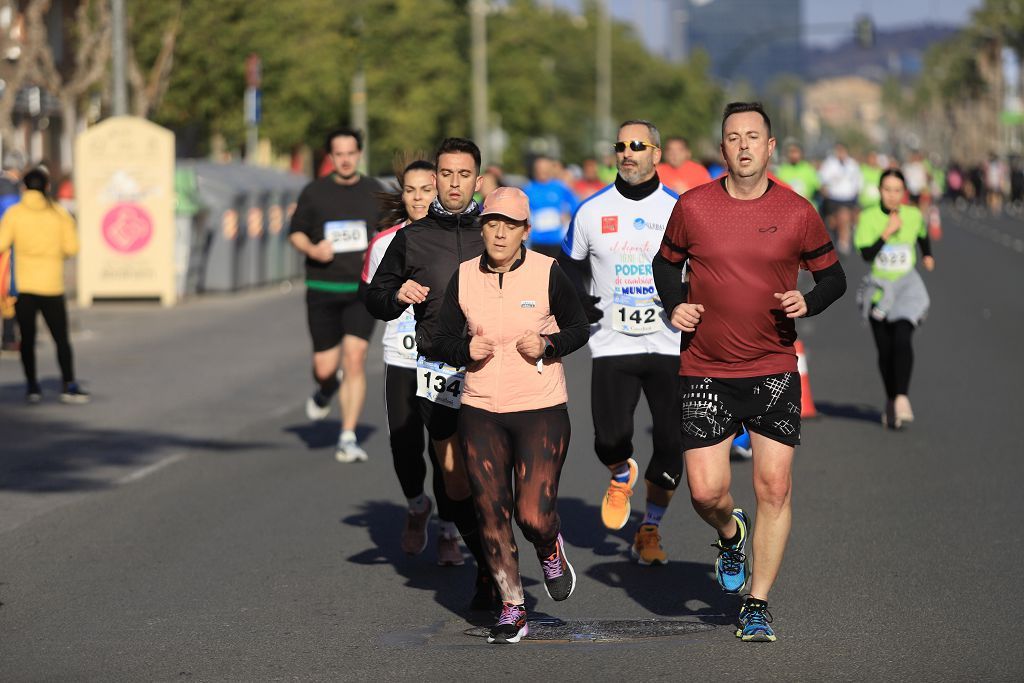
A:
(635, 145)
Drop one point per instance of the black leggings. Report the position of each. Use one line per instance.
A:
(615, 385)
(895, 354)
(407, 434)
(529, 449)
(56, 316)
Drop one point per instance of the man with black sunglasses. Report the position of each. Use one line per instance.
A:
(617, 232)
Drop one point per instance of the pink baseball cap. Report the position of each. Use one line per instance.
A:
(510, 202)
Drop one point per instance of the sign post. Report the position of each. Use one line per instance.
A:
(124, 178)
(253, 105)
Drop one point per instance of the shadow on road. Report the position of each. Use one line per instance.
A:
(666, 590)
(45, 454)
(849, 411)
(317, 435)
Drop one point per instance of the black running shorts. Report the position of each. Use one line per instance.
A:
(332, 315)
(714, 409)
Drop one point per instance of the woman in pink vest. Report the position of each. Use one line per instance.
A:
(509, 317)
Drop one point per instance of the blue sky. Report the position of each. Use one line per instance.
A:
(826, 21)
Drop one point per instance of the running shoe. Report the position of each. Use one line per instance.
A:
(904, 412)
(559, 576)
(511, 626)
(33, 394)
(318, 406)
(349, 451)
(755, 622)
(72, 393)
(646, 549)
(486, 597)
(732, 567)
(414, 535)
(615, 506)
(449, 554)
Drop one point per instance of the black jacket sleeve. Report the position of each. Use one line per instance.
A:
(869, 253)
(578, 274)
(381, 296)
(925, 244)
(668, 279)
(829, 285)
(451, 342)
(573, 328)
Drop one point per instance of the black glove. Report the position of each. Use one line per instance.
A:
(593, 313)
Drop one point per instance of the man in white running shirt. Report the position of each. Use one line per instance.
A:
(618, 231)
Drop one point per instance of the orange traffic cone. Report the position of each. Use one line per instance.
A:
(807, 408)
(934, 223)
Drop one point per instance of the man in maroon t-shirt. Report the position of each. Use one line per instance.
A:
(745, 239)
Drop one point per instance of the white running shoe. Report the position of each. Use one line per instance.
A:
(350, 451)
(314, 411)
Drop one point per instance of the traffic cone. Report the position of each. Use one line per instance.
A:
(807, 409)
(934, 223)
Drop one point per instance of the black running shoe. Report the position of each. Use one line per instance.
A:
(486, 598)
(73, 393)
(511, 626)
(559, 577)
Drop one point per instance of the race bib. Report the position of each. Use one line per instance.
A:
(894, 258)
(439, 383)
(406, 346)
(346, 236)
(636, 315)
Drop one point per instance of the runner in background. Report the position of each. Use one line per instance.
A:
(840, 186)
(894, 299)
(331, 226)
(679, 172)
(552, 203)
(406, 431)
(799, 173)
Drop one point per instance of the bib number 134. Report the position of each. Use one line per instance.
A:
(439, 383)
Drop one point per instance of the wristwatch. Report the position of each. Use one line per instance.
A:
(549, 348)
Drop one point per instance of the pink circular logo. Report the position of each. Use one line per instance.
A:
(127, 228)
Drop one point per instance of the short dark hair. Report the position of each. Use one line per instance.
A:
(343, 133)
(740, 107)
(678, 138)
(36, 179)
(459, 146)
(894, 172)
(652, 129)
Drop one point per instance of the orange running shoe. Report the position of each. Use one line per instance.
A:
(615, 506)
(647, 546)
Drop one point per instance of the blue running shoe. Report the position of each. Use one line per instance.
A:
(732, 567)
(755, 620)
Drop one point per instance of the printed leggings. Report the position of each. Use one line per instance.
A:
(514, 461)
(895, 354)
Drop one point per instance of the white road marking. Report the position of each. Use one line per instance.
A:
(143, 472)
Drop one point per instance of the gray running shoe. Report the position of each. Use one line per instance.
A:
(349, 451)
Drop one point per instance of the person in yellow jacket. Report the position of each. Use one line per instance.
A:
(43, 235)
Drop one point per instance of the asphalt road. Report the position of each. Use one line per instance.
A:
(189, 524)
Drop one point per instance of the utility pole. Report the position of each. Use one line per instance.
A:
(357, 99)
(478, 29)
(117, 45)
(603, 100)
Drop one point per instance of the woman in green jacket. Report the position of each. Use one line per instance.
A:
(894, 297)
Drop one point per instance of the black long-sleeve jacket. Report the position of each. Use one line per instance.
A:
(428, 252)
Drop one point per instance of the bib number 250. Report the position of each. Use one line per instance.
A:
(439, 383)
